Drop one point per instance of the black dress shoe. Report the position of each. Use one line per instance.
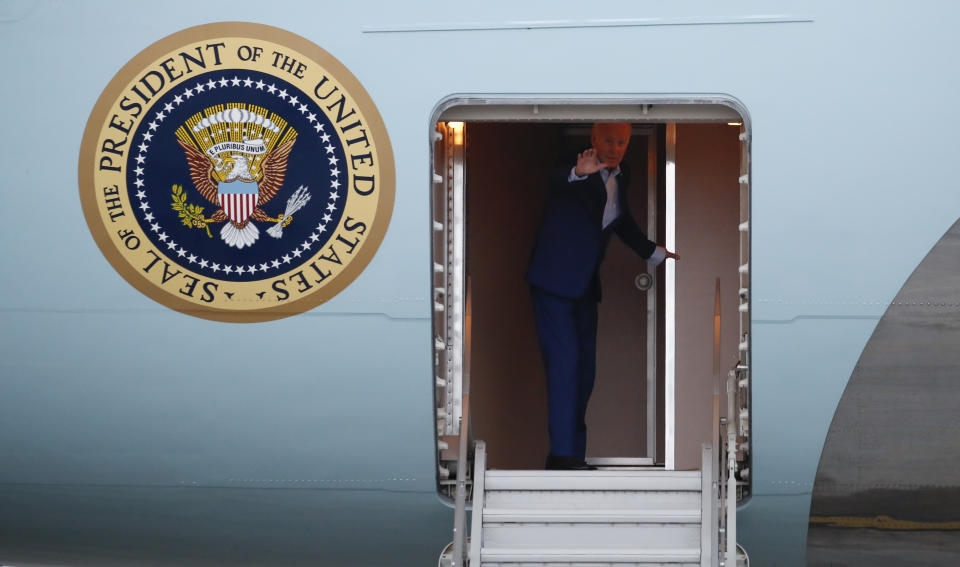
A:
(560, 463)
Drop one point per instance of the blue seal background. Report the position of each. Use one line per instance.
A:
(164, 164)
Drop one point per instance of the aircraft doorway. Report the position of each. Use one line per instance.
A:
(507, 166)
(493, 183)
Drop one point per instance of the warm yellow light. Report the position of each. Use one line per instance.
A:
(734, 124)
(457, 128)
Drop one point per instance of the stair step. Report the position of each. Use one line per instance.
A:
(578, 516)
(589, 535)
(590, 563)
(508, 555)
(593, 480)
(611, 500)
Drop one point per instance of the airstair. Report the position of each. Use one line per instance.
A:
(616, 518)
(580, 518)
(613, 516)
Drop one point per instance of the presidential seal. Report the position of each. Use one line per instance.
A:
(236, 172)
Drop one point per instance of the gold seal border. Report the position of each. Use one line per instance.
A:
(93, 129)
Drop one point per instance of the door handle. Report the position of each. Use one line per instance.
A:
(643, 281)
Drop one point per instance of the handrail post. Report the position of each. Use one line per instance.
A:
(716, 475)
(476, 523)
(731, 552)
(460, 508)
(707, 526)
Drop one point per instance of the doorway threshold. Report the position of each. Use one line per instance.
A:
(621, 462)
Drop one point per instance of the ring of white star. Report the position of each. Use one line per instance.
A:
(276, 263)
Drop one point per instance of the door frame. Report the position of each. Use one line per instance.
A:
(662, 109)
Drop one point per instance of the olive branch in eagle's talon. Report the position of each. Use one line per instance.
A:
(190, 215)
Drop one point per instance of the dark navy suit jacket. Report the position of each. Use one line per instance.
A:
(571, 242)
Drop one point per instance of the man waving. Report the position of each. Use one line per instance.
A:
(586, 206)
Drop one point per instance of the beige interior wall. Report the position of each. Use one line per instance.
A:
(707, 162)
(507, 169)
(507, 173)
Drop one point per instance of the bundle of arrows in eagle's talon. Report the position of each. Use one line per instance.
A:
(294, 204)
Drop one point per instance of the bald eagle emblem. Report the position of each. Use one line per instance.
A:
(238, 159)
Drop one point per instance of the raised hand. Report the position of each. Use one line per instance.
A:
(673, 255)
(587, 163)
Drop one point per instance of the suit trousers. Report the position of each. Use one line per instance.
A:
(567, 330)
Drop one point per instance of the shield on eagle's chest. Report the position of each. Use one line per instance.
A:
(238, 199)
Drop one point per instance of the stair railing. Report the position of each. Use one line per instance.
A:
(731, 476)
(476, 522)
(727, 505)
(460, 506)
(466, 443)
(708, 525)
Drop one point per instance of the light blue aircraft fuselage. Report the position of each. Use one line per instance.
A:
(131, 432)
